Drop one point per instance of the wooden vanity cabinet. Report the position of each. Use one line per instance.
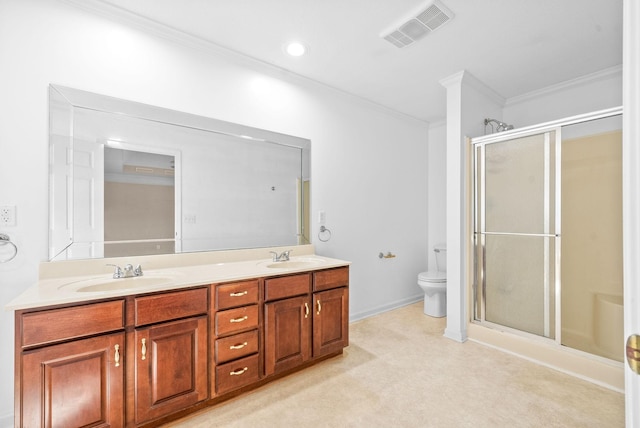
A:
(306, 317)
(169, 349)
(237, 341)
(142, 360)
(331, 311)
(70, 366)
(287, 333)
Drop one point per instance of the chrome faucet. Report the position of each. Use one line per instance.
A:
(283, 257)
(128, 272)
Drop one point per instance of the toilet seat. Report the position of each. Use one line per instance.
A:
(432, 276)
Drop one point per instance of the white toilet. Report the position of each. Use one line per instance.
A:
(434, 285)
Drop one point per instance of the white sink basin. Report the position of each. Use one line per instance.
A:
(113, 284)
(298, 263)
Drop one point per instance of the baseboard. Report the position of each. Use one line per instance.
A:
(385, 308)
(457, 335)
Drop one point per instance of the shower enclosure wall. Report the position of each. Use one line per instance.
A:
(548, 232)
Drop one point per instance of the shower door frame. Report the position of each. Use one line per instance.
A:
(478, 145)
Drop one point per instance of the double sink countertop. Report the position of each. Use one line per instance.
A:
(78, 281)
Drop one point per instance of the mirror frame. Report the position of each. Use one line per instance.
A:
(79, 99)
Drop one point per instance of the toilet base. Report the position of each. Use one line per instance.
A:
(435, 305)
(435, 293)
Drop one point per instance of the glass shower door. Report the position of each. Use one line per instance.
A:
(516, 233)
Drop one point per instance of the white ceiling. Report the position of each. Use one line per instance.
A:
(513, 46)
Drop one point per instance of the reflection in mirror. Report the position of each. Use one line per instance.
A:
(139, 203)
(130, 179)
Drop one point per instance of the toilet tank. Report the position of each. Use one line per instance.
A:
(441, 257)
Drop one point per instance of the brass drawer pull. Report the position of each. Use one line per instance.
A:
(240, 294)
(319, 307)
(238, 346)
(117, 355)
(306, 310)
(244, 318)
(144, 349)
(238, 372)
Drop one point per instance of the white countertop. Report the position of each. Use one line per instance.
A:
(59, 284)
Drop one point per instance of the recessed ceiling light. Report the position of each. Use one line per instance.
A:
(295, 49)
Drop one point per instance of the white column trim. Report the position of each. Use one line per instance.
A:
(456, 328)
(630, 190)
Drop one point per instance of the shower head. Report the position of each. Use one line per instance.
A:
(500, 126)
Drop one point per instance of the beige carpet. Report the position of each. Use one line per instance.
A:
(399, 371)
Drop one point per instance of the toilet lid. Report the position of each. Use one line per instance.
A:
(432, 276)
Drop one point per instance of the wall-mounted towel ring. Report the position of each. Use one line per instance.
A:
(325, 234)
(6, 244)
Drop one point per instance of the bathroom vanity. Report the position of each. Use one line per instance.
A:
(92, 352)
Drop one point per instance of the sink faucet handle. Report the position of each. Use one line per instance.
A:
(128, 270)
(276, 258)
(138, 271)
(285, 255)
(117, 273)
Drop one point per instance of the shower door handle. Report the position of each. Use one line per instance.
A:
(633, 353)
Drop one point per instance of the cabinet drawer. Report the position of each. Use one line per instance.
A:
(238, 319)
(236, 374)
(170, 306)
(331, 278)
(287, 286)
(236, 294)
(69, 323)
(236, 346)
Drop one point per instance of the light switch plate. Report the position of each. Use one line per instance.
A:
(322, 217)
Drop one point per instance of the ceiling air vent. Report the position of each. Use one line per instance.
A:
(424, 20)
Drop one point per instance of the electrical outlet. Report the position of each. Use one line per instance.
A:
(8, 215)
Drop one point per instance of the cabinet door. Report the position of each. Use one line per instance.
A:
(330, 321)
(287, 333)
(171, 367)
(79, 383)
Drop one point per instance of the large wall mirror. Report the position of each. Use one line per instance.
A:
(131, 179)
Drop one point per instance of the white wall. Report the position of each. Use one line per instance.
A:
(437, 168)
(368, 164)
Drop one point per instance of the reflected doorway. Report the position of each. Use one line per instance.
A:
(139, 202)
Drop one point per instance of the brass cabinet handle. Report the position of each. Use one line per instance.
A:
(319, 307)
(238, 346)
(238, 372)
(144, 349)
(242, 293)
(244, 318)
(306, 310)
(117, 355)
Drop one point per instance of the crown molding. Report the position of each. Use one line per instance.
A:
(465, 78)
(472, 81)
(190, 41)
(454, 79)
(607, 73)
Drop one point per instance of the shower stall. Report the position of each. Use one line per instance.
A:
(547, 232)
